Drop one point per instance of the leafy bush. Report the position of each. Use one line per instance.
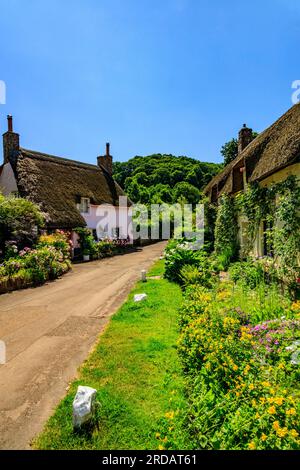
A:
(249, 273)
(177, 258)
(106, 248)
(19, 222)
(196, 275)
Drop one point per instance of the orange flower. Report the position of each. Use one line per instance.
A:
(272, 410)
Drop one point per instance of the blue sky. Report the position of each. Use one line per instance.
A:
(168, 76)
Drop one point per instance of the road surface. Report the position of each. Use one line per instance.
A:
(50, 330)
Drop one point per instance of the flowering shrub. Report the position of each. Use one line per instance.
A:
(105, 247)
(60, 240)
(242, 377)
(33, 267)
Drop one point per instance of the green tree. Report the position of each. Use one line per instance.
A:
(229, 151)
(186, 192)
(20, 220)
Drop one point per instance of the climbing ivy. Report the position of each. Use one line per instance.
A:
(254, 204)
(226, 229)
(279, 206)
(286, 234)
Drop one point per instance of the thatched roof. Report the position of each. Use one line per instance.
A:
(275, 148)
(56, 184)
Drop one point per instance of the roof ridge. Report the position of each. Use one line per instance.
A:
(57, 159)
(262, 137)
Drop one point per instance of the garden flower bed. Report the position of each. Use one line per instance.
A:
(239, 346)
(31, 267)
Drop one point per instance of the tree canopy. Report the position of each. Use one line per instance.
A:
(158, 178)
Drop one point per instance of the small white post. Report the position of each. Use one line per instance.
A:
(2, 352)
(143, 275)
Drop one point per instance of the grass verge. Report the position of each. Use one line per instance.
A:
(136, 371)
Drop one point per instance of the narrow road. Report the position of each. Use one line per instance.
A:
(50, 330)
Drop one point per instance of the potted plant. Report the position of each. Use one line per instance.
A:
(86, 254)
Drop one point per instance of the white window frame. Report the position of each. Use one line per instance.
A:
(85, 205)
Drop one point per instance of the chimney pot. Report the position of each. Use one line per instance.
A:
(9, 123)
(107, 149)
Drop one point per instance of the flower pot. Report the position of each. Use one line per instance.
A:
(86, 257)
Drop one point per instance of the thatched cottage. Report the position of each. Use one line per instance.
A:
(268, 159)
(69, 193)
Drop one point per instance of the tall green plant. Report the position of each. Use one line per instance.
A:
(226, 229)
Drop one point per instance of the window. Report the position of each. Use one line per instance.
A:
(115, 232)
(238, 179)
(84, 205)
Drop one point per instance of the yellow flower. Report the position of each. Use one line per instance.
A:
(235, 367)
(252, 445)
(157, 435)
(272, 410)
(170, 415)
(264, 437)
(266, 384)
(291, 411)
(294, 433)
(278, 401)
(160, 447)
(296, 306)
(276, 425)
(257, 415)
(282, 432)
(251, 387)
(262, 400)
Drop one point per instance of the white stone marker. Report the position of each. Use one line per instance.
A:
(83, 405)
(139, 297)
(143, 275)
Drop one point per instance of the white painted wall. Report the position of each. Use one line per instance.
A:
(107, 218)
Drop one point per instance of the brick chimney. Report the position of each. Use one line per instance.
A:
(11, 141)
(245, 137)
(106, 160)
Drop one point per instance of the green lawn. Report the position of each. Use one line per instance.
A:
(136, 370)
